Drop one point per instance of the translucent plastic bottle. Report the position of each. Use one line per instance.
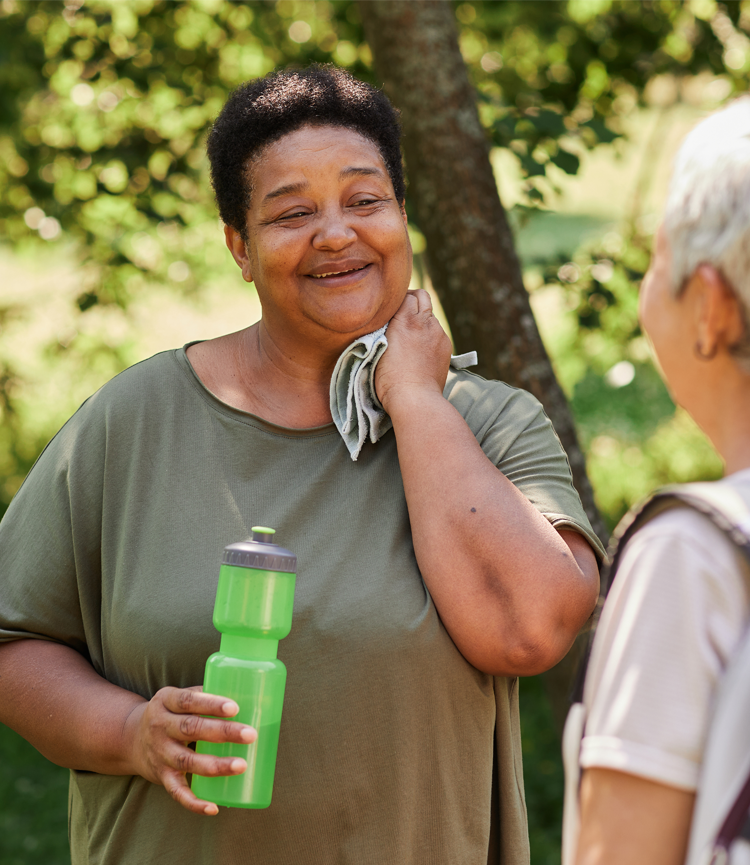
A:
(253, 611)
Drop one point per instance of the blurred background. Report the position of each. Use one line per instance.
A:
(111, 248)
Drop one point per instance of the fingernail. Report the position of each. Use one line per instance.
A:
(248, 734)
(211, 810)
(238, 765)
(230, 708)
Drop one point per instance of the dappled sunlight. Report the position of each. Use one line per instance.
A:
(57, 355)
(112, 249)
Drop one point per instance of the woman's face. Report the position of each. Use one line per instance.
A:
(327, 243)
(667, 319)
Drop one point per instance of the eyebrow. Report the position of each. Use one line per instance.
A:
(361, 172)
(296, 188)
(289, 189)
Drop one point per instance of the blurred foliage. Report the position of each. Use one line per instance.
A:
(634, 439)
(103, 137)
(556, 79)
(104, 108)
(104, 105)
(543, 774)
(33, 813)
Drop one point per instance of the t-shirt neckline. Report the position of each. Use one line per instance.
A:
(245, 416)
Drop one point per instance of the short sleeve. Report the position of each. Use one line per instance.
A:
(675, 613)
(49, 558)
(517, 436)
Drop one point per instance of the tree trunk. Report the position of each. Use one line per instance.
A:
(470, 253)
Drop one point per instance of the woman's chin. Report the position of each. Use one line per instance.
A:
(353, 322)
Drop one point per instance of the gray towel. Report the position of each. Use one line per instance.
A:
(356, 410)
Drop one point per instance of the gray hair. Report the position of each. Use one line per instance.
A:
(707, 218)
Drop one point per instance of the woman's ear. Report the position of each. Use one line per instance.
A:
(236, 245)
(402, 207)
(720, 319)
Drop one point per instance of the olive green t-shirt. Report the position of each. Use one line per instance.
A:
(113, 546)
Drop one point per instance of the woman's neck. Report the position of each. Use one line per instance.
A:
(285, 383)
(734, 441)
(725, 415)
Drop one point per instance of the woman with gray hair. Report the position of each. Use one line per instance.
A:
(680, 601)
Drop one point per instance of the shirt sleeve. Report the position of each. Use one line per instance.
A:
(515, 433)
(50, 542)
(675, 613)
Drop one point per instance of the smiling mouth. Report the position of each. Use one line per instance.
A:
(338, 272)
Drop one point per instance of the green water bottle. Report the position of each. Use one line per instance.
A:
(253, 611)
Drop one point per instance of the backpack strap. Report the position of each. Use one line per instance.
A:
(736, 825)
(730, 513)
(721, 810)
(720, 503)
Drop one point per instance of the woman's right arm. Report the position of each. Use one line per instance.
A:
(627, 820)
(54, 698)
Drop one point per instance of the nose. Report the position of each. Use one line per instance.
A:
(334, 231)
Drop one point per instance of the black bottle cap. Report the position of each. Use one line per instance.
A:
(260, 552)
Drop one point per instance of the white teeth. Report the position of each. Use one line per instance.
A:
(336, 272)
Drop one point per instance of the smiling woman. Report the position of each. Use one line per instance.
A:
(333, 238)
(452, 557)
(324, 240)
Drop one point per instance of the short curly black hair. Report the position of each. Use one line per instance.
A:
(262, 111)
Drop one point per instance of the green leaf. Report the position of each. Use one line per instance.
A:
(531, 167)
(569, 162)
(87, 300)
(602, 131)
(548, 122)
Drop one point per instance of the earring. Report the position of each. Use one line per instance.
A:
(703, 355)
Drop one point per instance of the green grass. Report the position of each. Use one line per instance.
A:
(33, 805)
(546, 236)
(542, 772)
(636, 441)
(631, 413)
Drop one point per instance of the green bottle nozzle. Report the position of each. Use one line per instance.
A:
(263, 535)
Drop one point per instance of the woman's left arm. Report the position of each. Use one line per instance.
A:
(511, 591)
